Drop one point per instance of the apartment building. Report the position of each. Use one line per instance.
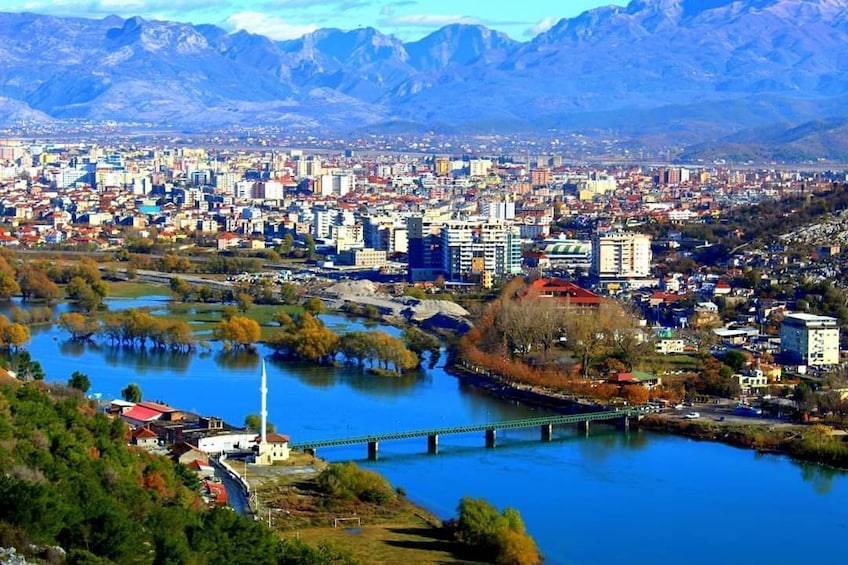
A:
(809, 339)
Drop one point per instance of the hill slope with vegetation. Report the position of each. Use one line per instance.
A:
(68, 479)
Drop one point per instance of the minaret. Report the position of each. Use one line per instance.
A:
(264, 407)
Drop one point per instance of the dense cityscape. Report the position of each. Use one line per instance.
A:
(349, 283)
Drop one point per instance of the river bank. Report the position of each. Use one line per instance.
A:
(811, 443)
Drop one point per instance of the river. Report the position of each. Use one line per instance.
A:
(603, 498)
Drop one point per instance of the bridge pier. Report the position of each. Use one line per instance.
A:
(373, 448)
(624, 423)
(491, 437)
(547, 432)
(433, 444)
(583, 426)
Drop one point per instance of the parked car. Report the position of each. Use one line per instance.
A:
(692, 415)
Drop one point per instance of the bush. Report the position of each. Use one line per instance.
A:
(347, 481)
(494, 536)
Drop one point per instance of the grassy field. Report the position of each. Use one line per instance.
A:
(200, 316)
(135, 289)
(203, 317)
(390, 544)
(396, 532)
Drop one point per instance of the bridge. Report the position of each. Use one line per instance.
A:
(545, 424)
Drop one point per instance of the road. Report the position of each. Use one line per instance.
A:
(716, 412)
(236, 496)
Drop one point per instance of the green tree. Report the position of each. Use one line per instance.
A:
(496, 537)
(244, 302)
(288, 293)
(132, 393)
(415, 292)
(288, 244)
(79, 381)
(314, 306)
(254, 422)
(84, 294)
(735, 359)
(309, 243)
(181, 290)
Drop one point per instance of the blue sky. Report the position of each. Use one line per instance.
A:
(286, 19)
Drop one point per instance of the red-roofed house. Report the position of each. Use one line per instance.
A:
(186, 453)
(276, 449)
(145, 437)
(216, 492)
(140, 415)
(204, 469)
(168, 412)
(565, 292)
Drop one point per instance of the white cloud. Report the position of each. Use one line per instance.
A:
(270, 26)
(428, 20)
(542, 26)
(120, 7)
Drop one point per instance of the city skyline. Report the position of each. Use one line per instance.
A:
(288, 19)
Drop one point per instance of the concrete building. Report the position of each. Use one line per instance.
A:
(424, 249)
(469, 250)
(363, 258)
(808, 339)
(621, 258)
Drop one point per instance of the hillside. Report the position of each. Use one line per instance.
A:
(68, 480)
(689, 71)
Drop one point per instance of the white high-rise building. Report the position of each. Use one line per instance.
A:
(621, 257)
(471, 250)
(809, 339)
(335, 184)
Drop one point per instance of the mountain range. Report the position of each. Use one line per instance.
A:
(688, 73)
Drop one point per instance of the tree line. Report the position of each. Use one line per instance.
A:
(518, 333)
(133, 328)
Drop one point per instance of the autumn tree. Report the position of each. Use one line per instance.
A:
(306, 338)
(80, 327)
(588, 333)
(14, 336)
(355, 346)
(420, 342)
(35, 284)
(238, 331)
(179, 336)
(8, 285)
(282, 318)
(634, 394)
(517, 323)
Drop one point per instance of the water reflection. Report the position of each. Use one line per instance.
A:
(76, 348)
(145, 360)
(607, 442)
(820, 477)
(237, 359)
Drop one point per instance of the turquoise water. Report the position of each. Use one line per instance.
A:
(608, 497)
